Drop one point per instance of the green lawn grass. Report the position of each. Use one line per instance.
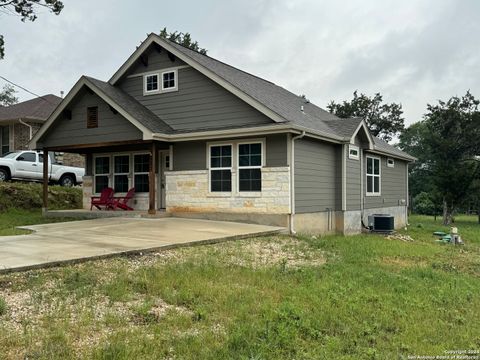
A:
(12, 218)
(333, 297)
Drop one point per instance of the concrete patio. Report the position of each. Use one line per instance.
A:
(53, 244)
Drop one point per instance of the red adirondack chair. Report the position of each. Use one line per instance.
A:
(122, 202)
(105, 199)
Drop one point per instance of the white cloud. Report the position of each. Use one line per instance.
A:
(411, 52)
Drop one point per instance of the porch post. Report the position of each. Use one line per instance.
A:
(45, 181)
(151, 179)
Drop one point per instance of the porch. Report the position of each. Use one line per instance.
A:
(119, 165)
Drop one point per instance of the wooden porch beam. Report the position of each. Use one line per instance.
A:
(45, 181)
(151, 179)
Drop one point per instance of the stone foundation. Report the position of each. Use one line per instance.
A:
(188, 192)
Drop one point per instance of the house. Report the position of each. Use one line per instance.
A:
(199, 138)
(19, 122)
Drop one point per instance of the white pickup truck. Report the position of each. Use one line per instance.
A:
(28, 165)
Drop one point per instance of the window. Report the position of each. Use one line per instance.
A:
(28, 156)
(102, 172)
(92, 117)
(4, 139)
(141, 167)
(390, 163)
(221, 168)
(373, 176)
(151, 83)
(169, 81)
(121, 170)
(353, 152)
(250, 167)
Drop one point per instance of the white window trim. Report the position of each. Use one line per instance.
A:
(390, 162)
(150, 92)
(235, 168)
(353, 157)
(379, 193)
(175, 76)
(231, 168)
(129, 174)
(262, 163)
(138, 173)
(94, 171)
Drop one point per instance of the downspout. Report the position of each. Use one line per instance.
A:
(407, 202)
(29, 126)
(292, 182)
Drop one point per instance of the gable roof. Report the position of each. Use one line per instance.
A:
(131, 106)
(126, 106)
(287, 110)
(35, 109)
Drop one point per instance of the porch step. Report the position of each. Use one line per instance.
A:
(96, 214)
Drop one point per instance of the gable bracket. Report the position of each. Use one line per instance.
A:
(114, 111)
(67, 114)
(144, 60)
(157, 47)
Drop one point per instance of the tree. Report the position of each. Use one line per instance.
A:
(27, 10)
(184, 39)
(450, 141)
(7, 96)
(384, 120)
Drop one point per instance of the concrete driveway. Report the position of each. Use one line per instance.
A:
(52, 244)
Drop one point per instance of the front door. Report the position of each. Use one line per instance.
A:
(163, 165)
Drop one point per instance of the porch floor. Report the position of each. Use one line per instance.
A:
(54, 244)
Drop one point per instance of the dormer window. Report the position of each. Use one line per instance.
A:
(151, 83)
(169, 80)
(160, 82)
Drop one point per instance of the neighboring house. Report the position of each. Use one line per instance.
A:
(201, 138)
(19, 122)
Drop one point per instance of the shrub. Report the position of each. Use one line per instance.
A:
(423, 204)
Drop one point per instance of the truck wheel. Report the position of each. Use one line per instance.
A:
(67, 181)
(4, 175)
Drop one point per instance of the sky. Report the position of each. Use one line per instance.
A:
(413, 52)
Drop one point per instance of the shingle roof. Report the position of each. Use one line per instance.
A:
(274, 97)
(39, 108)
(382, 146)
(132, 106)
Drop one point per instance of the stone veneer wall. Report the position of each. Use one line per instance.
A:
(188, 192)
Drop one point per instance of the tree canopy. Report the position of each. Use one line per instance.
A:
(384, 120)
(7, 96)
(27, 10)
(447, 147)
(184, 39)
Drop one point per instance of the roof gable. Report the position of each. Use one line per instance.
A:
(128, 107)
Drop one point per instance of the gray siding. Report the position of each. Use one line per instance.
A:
(276, 152)
(189, 155)
(192, 155)
(393, 185)
(317, 181)
(199, 102)
(111, 127)
(354, 195)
